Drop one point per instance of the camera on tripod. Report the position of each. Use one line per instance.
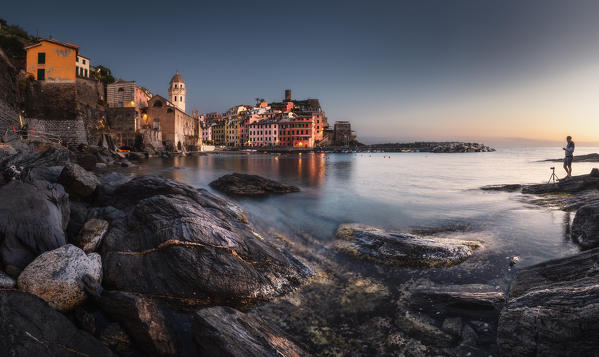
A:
(553, 176)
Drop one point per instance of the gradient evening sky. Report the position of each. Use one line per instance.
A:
(398, 70)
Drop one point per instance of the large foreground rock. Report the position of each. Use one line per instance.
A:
(57, 276)
(223, 331)
(585, 227)
(553, 309)
(77, 181)
(401, 248)
(250, 185)
(29, 327)
(32, 219)
(189, 247)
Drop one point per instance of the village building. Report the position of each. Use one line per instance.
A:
(264, 133)
(297, 131)
(54, 61)
(218, 133)
(343, 135)
(176, 91)
(178, 128)
(82, 66)
(127, 94)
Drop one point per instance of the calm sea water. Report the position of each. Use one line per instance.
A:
(400, 191)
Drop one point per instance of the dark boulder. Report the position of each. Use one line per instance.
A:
(585, 227)
(189, 247)
(32, 219)
(553, 308)
(399, 248)
(77, 181)
(250, 185)
(223, 331)
(29, 327)
(155, 329)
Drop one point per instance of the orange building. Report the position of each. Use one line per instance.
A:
(51, 60)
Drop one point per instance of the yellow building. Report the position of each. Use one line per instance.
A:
(232, 132)
(218, 133)
(51, 60)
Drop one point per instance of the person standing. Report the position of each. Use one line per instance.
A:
(569, 149)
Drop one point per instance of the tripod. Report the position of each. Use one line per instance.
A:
(553, 176)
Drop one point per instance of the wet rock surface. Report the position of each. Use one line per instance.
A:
(57, 276)
(91, 234)
(189, 247)
(77, 181)
(567, 194)
(552, 309)
(6, 282)
(585, 227)
(32, 219)
(460, 300)
(29, 327)
(402, 248)
(250, 185)
(224, 331)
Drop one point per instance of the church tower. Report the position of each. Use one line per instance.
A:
(176, 91)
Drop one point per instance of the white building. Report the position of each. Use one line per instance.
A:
(82, 66)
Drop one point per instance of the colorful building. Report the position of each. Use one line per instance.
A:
(54, 61)
(297, 132)
(218, 133)
(263, 133)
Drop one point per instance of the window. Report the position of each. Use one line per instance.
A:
(41, 74)
(181, 98)
(85, 73)
(83, 61)
(175, 98)
(158, 104)
(41, 58)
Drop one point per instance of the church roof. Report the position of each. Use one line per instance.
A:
(177, 78)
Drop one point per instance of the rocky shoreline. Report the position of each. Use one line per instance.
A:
(98, 264)
(101, 267)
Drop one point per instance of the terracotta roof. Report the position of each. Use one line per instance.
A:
(65, 44)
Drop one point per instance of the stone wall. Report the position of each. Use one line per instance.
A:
(69, 131)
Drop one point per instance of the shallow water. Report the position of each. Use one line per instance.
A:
(400, 191)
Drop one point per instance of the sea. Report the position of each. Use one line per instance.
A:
(424, 193)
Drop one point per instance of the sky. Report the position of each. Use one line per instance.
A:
(505, 71)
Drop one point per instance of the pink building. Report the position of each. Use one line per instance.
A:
(263, 133)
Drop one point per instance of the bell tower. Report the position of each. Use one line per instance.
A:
(176, 91)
